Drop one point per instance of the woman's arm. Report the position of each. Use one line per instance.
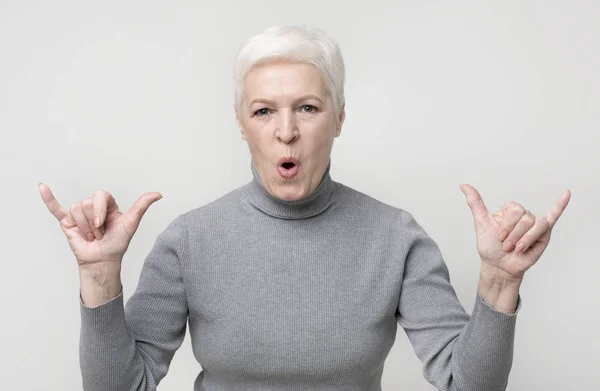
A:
(458, 351)
(123, 349)
(131, 348)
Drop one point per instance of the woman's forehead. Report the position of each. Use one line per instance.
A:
(280, 80)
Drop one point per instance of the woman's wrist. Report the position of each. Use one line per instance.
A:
(499, 291)
(100, 283)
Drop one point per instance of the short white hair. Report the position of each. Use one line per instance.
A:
(294, 44)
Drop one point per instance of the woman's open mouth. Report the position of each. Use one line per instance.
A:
(288, 167)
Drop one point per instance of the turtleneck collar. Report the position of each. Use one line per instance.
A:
(313, 204)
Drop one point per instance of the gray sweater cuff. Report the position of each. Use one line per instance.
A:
(105, 318)
(486, 357)
(482, 306)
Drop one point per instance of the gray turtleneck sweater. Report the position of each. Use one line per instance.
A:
(294, 295)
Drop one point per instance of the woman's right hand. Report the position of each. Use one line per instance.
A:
(99, 235)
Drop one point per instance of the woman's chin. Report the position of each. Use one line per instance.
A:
(289, 192)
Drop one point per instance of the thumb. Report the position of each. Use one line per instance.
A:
(134, 215)
(478, 209)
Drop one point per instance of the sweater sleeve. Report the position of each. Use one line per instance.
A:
(131, 347)
(458, 351)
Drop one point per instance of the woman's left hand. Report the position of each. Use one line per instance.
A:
(512, 240)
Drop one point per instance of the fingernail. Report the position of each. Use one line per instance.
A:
(97, 222)
(503, 235)
(520, 247)
(90, 236)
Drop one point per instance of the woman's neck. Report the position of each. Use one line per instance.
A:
(313, 204)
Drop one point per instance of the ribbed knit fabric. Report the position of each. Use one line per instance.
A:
(294, 295)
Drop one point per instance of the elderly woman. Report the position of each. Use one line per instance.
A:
(294, 281)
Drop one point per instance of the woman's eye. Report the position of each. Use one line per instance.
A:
(261, 112)
(309, 108)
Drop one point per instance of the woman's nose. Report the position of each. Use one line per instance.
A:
(287, 129)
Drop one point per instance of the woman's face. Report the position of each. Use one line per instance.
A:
(288, 120)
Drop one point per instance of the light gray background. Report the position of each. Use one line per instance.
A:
(137, 97)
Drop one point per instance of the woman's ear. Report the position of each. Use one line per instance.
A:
(240, 123)
(340, 120)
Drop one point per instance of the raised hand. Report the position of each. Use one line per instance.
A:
(513, 239)
(95, 228)
(99, 235)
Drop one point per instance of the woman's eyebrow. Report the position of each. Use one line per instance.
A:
(307, 97)
(260, 100)
(270, 102)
